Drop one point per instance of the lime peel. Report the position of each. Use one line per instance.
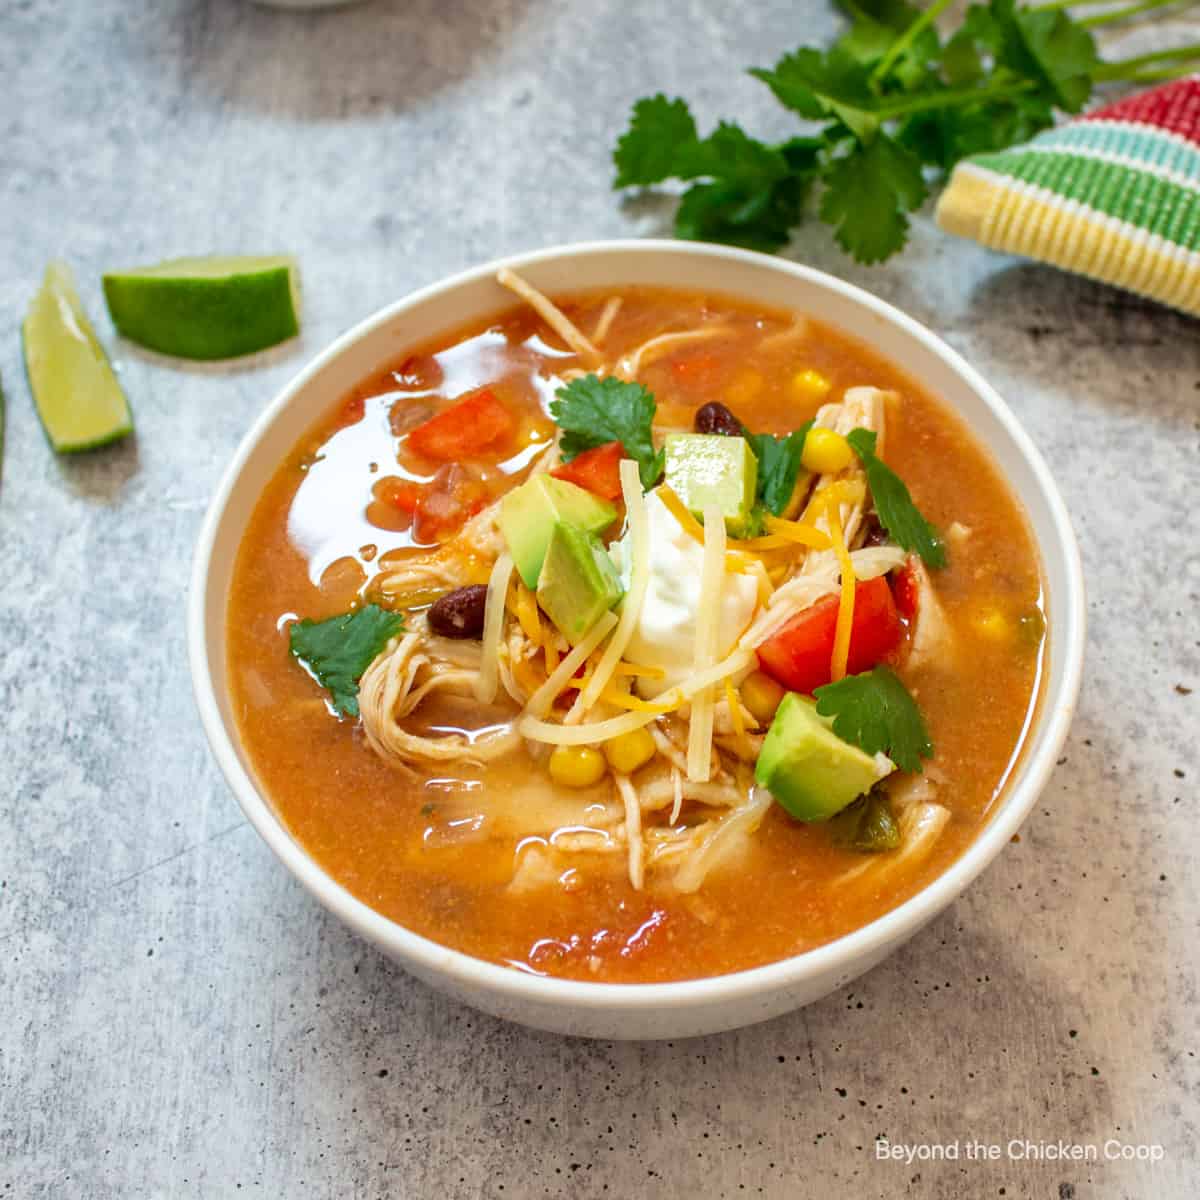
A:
(207, 308)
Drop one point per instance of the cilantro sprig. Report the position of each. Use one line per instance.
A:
(891, 99)
(875, 712)
(778, 466)
(898, 514)
(592, 411)
(337, 651)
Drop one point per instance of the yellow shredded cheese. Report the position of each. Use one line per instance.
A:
(735, 715)
(538, 705)
(798, 532)
(592, 734)
(676, 507)
(527, 614)
(640, 672)
(631, 609)
(626, 700)
(488, 679)
(712, 572)
(551, 652)
(845, 618)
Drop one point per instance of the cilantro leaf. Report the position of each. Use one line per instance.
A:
(660, 133)
(817, 85)
(592, 411)
(1050, 48)
(867, 193)
(748, 193)
(756, 192)
(894, 504)
(778, 466)
(875, 712)
(866, 824)
(337, 651)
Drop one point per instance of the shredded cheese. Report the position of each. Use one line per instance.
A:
(487, 681)
(627, 700)
(845, 618)
(633, 829)
(611, 308)
(553, 734)
(551, 652)
(550, 313)
(676, 507)
(538, 705)
(631, 610)
(640, 672)
(527, 614)
(799, 532)
(712, 572)
(739, 723)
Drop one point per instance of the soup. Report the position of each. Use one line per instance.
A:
(635, 636)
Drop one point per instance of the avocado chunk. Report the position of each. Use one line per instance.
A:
(807, 767)
(707, 469)
(578, 582)
(529, 513)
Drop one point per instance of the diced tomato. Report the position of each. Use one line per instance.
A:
(450, 499)
(399, 493)
(598, 470)
(476, 422)
(906, 590)
(798, 655)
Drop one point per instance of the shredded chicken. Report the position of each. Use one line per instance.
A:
(933, 639)
(394, 686)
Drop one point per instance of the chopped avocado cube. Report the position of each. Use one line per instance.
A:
(807, 767)
(529, 513)
(578, 582)
(707, 469)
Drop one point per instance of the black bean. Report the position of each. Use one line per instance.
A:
(459, 614)
(714, 417)
(874, 532)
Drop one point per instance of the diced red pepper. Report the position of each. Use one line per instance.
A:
(906, 590)
(798, 655)
(472, 424)
(598, 470)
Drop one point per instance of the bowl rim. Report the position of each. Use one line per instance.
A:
(1049, 725)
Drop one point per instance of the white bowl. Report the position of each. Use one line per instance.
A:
(661, 1010)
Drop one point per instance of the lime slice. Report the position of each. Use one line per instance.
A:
(77, 395)
(207, 307)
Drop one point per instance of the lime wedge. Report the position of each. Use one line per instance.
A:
(77, 395)
(207, 307)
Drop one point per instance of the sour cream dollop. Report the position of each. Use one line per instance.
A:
(666, 630)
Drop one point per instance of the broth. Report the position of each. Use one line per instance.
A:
(437, 852)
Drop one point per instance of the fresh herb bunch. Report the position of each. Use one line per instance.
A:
(893, 99)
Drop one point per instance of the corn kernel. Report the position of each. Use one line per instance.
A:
(826, 452)
(992, 623)
(577, 766)
(629, 751)
(811, 383)
(761, 695)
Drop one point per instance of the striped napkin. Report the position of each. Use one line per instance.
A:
(1114, 195)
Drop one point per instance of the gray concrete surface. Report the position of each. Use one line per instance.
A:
(178, 1019)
